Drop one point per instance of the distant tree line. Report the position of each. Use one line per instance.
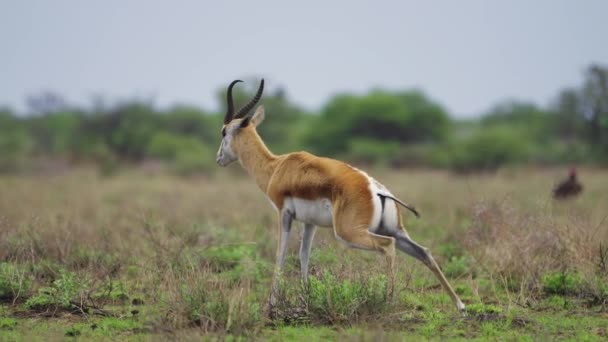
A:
(393, 128)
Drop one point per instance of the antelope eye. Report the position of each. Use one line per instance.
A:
(223, 132)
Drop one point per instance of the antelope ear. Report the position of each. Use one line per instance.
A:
(258, 116)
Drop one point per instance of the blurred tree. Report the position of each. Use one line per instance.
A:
(55, 132)
(569, 123)
(401, 117)
(190, 121)
(15, 142)
(582, 113)
(126, 130)
(490, 148)
(594, 105)
(526, 118)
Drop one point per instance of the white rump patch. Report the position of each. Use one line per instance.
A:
(388, 216)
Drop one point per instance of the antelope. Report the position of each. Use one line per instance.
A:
(319, 192)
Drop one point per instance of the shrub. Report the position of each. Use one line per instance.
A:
(7, 323)
(530, 250)
(216, 308)
(489, 149)
(337, 301)
(14, 148)
(65, 292)
(187, 154)
(235, 262)
(480, 308)
(14, 282)
(456, 267)
(562, 283)
(364, 150)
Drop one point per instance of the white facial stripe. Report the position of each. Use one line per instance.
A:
(225, 154)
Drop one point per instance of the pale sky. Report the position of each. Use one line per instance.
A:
(468, 55)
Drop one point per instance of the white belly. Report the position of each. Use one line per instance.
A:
(317, 212)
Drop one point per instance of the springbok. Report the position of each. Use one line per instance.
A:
(319, 192)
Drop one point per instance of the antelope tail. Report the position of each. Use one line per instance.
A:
(405, 205)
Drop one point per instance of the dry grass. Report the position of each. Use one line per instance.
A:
(199, 251)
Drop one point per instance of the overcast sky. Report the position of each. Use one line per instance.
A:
(467, 55)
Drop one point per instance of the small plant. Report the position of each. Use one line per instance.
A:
(562, 283)
(480, 309)
(456, 267)
(7, 323)
(72, 332)
(111, 325)
(342, 301)
(236, 262)
(557, 302)
(115, 291)
(214, 308)
(13, 282)
(65, 292)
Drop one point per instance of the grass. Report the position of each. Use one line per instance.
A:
(142, 256)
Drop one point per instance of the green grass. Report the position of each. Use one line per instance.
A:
(156, 257)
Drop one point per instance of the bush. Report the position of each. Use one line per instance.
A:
(562, 283)
(15, 146)
(216, 308)
(14, 283)
(65, 293)
(362, 150)
(490, 149)
(456, 267)
(187, 154)
(236, 262)
(379, 116)
(337, 301)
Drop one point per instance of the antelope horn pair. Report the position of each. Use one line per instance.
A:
(246, 108)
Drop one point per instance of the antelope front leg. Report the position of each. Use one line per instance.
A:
(309, 234)
(285, 220)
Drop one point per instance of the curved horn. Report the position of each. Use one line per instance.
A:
(230, 103)
(246, 108)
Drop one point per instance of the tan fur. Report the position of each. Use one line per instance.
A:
(306, 176)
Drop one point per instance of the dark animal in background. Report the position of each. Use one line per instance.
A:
(569, 187)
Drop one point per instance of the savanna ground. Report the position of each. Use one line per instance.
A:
(148, 256)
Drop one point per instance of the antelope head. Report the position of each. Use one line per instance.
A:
(237, 126)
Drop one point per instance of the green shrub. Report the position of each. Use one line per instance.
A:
(7, 323)
(187, 154)
(489, 149)
(343, 301)
(115, 291)
(72, 331)
(14, 283)
(562, 283)
(14, 148)
(63, 293)
(365, 150)
(235, 262)
(480, 308)
(456, 267)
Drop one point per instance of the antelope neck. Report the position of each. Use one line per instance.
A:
(256, 158)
